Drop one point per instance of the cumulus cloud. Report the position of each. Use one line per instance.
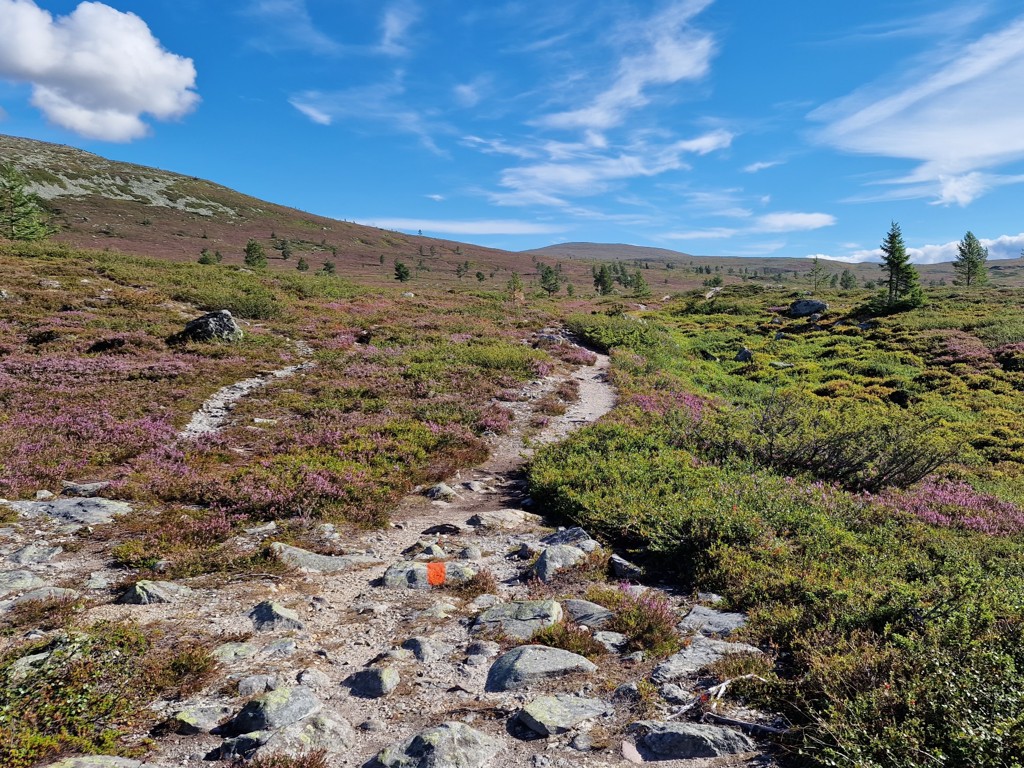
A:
(953, 116)
(475, 227)
(1002, 247)
(78, 66)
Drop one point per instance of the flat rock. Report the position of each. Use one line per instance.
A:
(710, 622)
(47, 593)
(574, 536)
(36, 552)
(304, 560)
(228, 652)
(374, 683)
(418, 575)
(555, 559)
(701, 652)
(83, 490)
(269, 615)
(528, 664)
(273, 710)
(199, 719)
(552, 715)
(586, 613)
(146, 592)
(84, 511)
(504, 519)
(240, 747)
(519, 619)
(686, 741)
(18, 581)
(613, 641)
(449, 745)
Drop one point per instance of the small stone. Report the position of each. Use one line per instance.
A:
(471, 552)
(441, 611)
(780, 366)
(426, 649)
(374, 683)
(586, 613)
(582, 742)
(613, 641)
(686, 741)
(372, 726)
(485, 648)
(254, 685)
(268, 616)
(316, 563)
(83, 490)
(44, 495)
(520, 619)
(558, 558)
(313, 678)
(528, 664)
(198, 719)
(449, 745)
(273, 710)
(431, 552)
(626, 692)
(624, 569)
(240, 747)
(744, 356)
(712, 623)
(98, 580)
(552, 715)
(148, 592)
(675, 694)
(441, 492)
(280, 648)
(417, 575)
(443, 529)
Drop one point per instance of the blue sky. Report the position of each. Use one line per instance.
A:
(782, 129)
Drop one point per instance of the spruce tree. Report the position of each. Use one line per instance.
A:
(969, 264)
(903, 285)
(303, 265)
(21, 215)
(255, 256)
(604, 282)
(515, 288)
(549, 280)
(402, 273)
(847, 280)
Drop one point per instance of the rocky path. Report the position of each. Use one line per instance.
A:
(410, 647)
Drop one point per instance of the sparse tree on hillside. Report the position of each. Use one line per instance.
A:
(515, 288)
(818, 274)
(570, 290)
(847, 280)
(303, 265)
(328, 268)
(833, 282)
(549, 280)
(902, 281)
(286, 250)
(402, 272)
(22, 216)
(255, 256)
(205, 257)
(640, 288)
(480, 276)
(969, 265)
(604, 283)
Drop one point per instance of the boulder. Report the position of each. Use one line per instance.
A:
(710, 622)
(528, 664)
(503, 519)
(254, 685)
(449, 745)
(419, 575)
(698, 654)
(441, 492)
(269, 616)
(519, 619)
(807, 307)
(333, 735)
(554, 559)
(686, 741)
(198, 719)
(624, 569)
(313, 678)
(374, 683)
(744, 356)
(273, 710)
(586, 613)
(552, 715)
(213, 326)
(145, 592)
(304, 560)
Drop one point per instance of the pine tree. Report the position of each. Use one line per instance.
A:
(818, 274)
(903, 285)
(255, 256)
(604, 283)
(969, 264)
(515, 288)
(847, 280)
(640, 288)
(328, 268)
(303, 265)
(21, 214)
(402, 273)
(549, 280)
(286, 250)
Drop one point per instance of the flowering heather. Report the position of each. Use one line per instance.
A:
(955, 504)
(1011, 356)
(495, 419)
(542, 368)
(959, 348)
(661, 402)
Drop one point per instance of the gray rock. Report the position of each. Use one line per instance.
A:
(84, 511)
(43, 495)
(431, 552)
(83, 490)
(744, 356)
(147, 592)
(313, 678)
(685, 741)
(698, 654)
(441, 492)
(613, 641)
(316, 563)
(574, 536)
(254, 685)
(484, 648)
(806, 307)
(17, 581)
(374, 683)
(37, 552)
(228, 652)
(503, 519)
(441, 611)
(98, 580)
(213, 326)
(269, 615)
(279, 649)
(417, 575)
(199, 719)
(710, 622)
(426, 649)
(519, 619)
(554, 559)
(624, 569)
(586, 613)
(710, 597)
(552, 715)
(101, 761)
(47, 593)
(471, 552)
(528, 664)
(334, 735)
(582, 742)
(239, 747)
(781, 366)
(273, 710)
(675, 694)
(27, 666)
(625, 693)
(449, 745)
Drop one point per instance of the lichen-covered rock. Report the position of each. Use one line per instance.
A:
(554, 559)
(333, 735)
(147, 592)
(418, 575)
(449, 745)
(701, 652)
(199, 719)
(686, 741)
(18, 581)
(36, 552)
(228, 652)
(213, 326)
(269, 615)
(374, 683)
(273, 710)
(519, 619)
(528, 664)
(552, 715)
(317, 563)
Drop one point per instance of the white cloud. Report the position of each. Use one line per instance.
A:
(291, 27)
(435, 198)
(792, 222)
(1002, 247)
(481, 227)
(78, 66)
(395, 26)
(761, 166)
(472, 93)
(670, 51)
(313, 113)
(954, 116)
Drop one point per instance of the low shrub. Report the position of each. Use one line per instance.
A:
(569, 637)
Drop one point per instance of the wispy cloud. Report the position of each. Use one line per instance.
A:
(953, 116)
(762, 165)
(395, 27)
(435, 198)
(669, 49)
(473, 227)
(290, 27)
(769, 223)
(472, 93)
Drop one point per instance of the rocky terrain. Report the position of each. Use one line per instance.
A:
(417, 645)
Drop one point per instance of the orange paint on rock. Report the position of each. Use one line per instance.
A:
(436, 574)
